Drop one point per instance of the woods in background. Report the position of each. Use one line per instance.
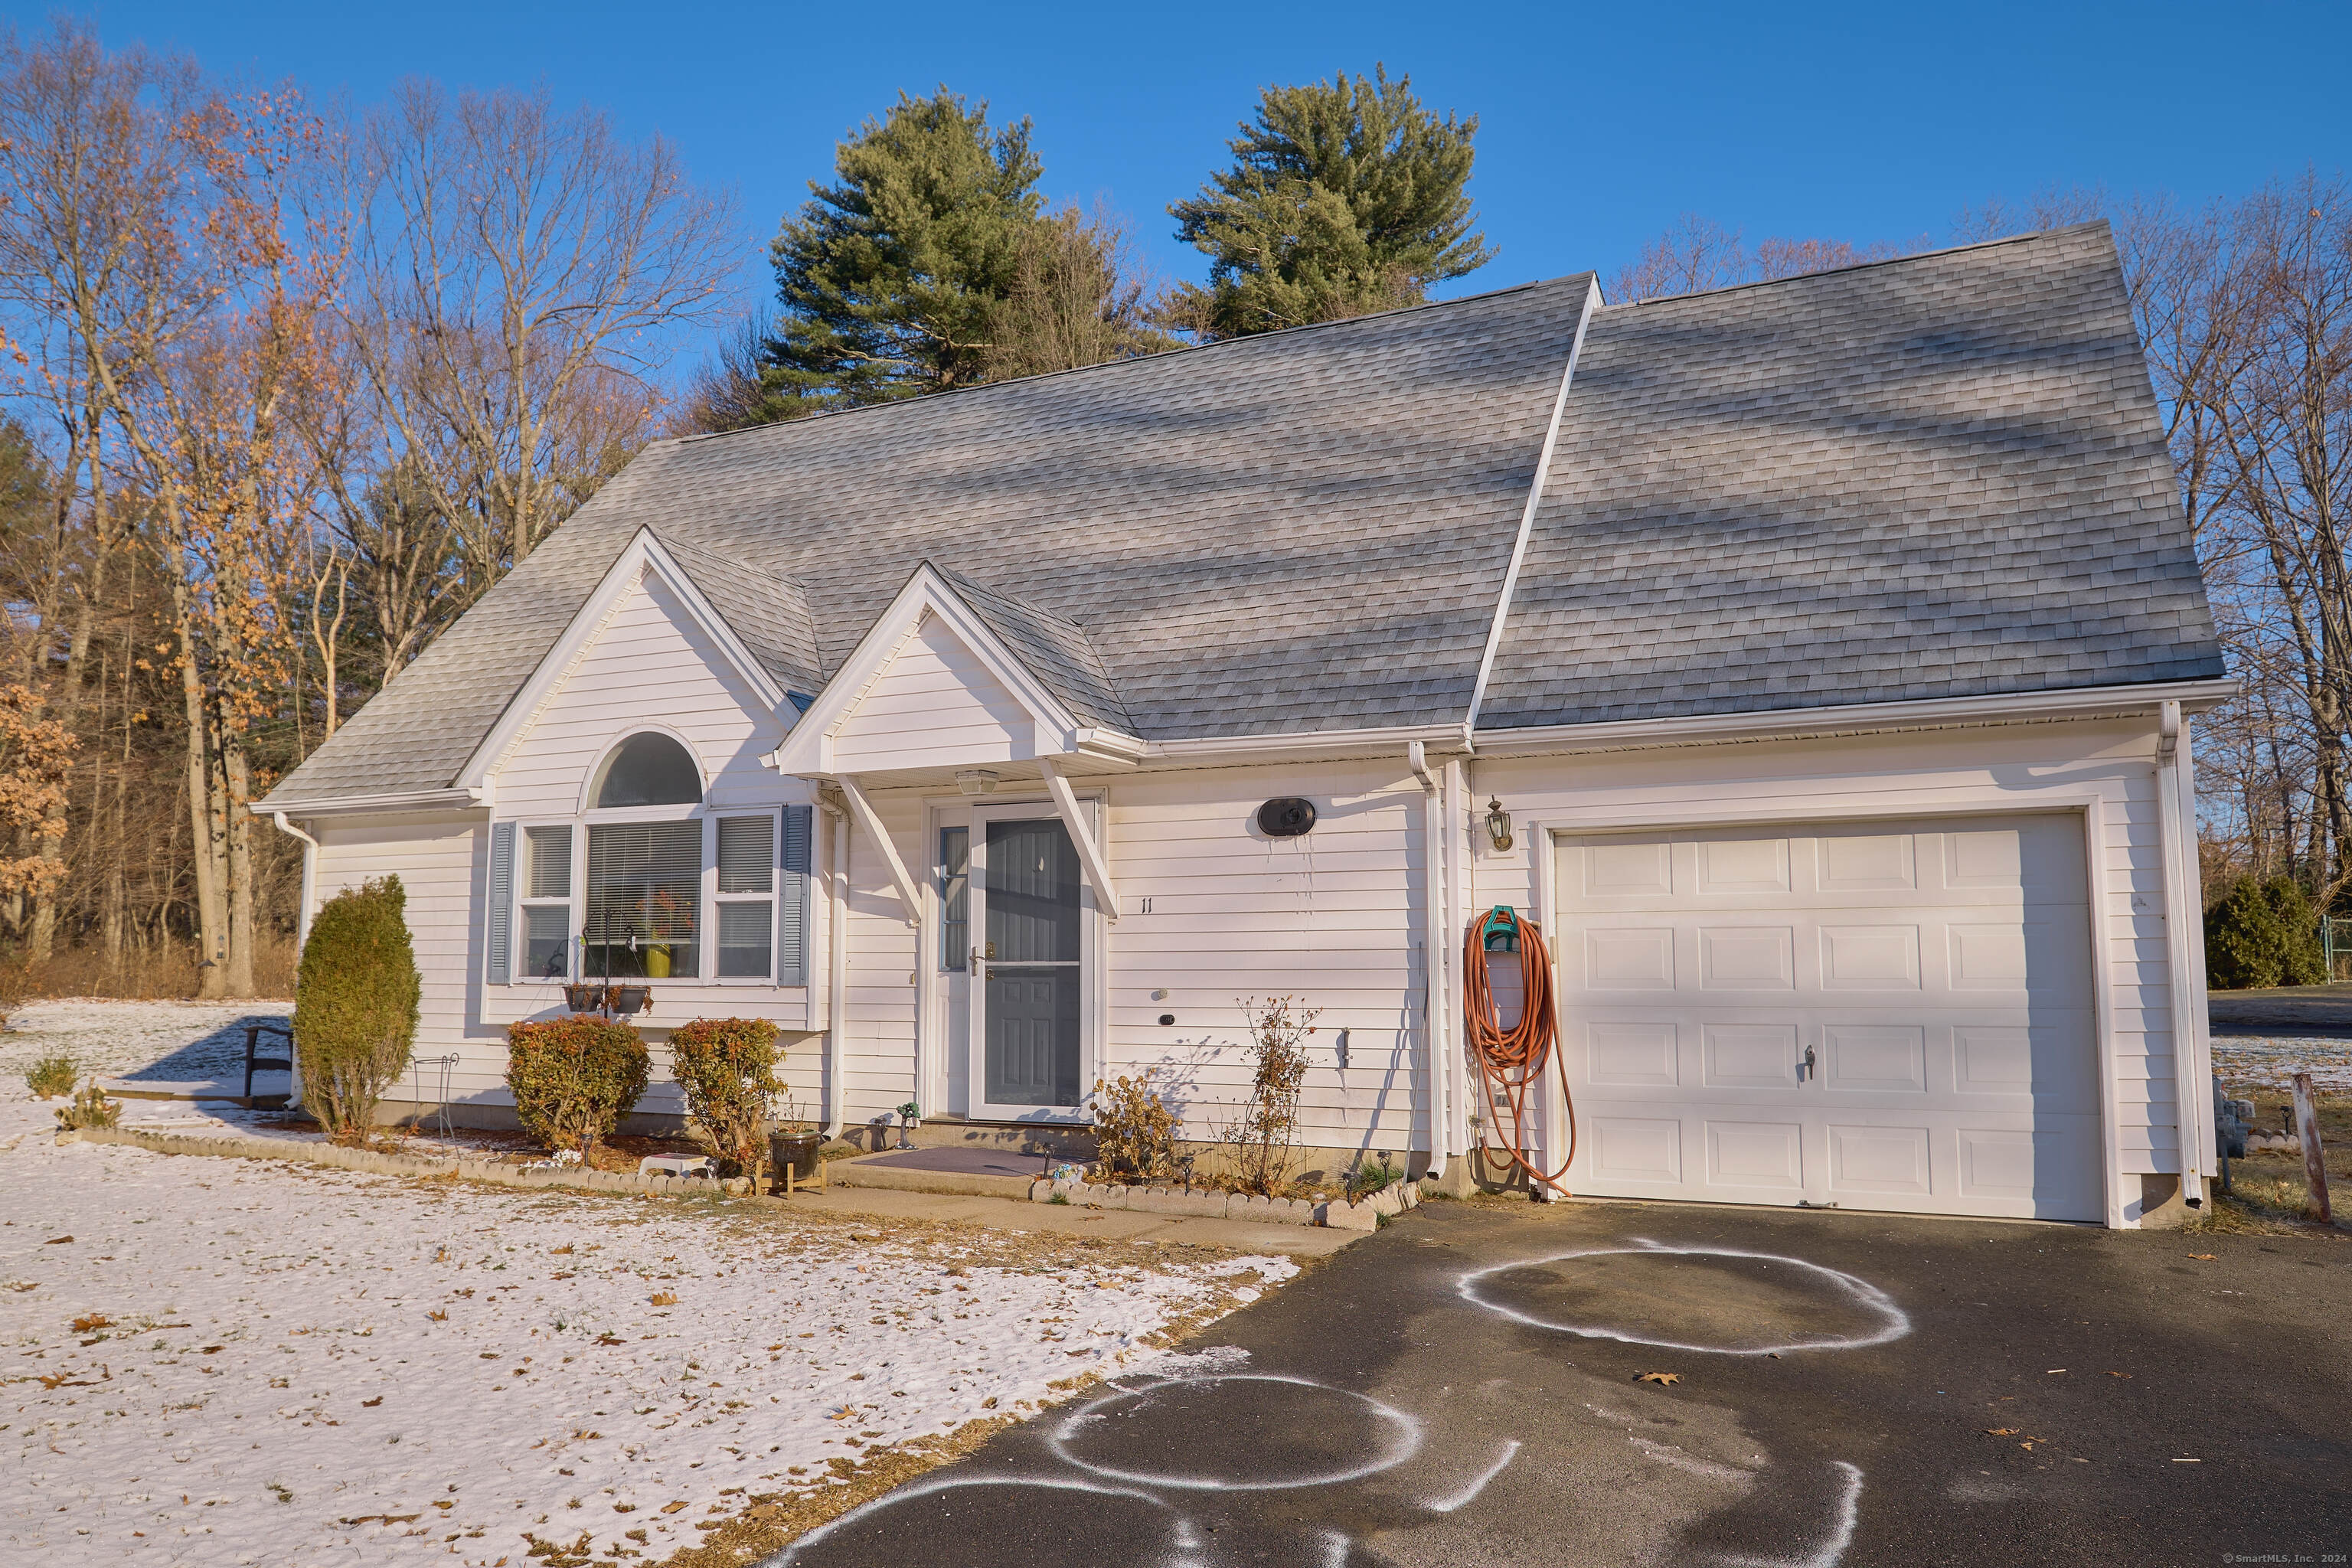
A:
(291, 386)
(295, 388)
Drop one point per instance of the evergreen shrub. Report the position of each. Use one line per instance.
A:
(52, 1076)
(2264, 933)
(574, 1078)
(355, 998)
(727, 1068)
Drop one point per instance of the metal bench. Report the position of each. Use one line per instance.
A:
(254, 1063)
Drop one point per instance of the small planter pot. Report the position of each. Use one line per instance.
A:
(793, 1151)
(631, 999)
(583, 998)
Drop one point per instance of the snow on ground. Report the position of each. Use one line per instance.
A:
(301, 1366)
(2272, 1062)
(162, 1046)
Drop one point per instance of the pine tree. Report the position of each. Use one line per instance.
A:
(891, 279)
(1344, 197)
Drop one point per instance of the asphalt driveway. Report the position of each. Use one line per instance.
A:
(1464, 1388)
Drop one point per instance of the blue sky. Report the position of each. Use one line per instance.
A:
(1597, 125)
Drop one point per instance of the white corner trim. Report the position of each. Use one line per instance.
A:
(1528, 516)
(2190, 1114)
(863, 809)
(642, 556)
(1090, 849)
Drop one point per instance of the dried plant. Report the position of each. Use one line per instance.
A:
(1135, 1132)
(1267, 1131)
(90, 1108)
(51, 1076)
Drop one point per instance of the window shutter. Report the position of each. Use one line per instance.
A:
(501, 925)
(792, 897)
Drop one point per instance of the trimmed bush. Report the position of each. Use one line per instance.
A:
(574, 1078)
(727, 1068)
(2264, 933)
(51, 1076)
(355, 1001)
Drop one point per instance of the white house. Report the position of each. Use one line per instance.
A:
(1831, 644)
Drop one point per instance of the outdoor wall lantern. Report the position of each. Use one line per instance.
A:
(1499, 824)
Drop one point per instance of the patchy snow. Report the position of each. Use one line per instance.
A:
(304, 1365)
(2272, 1062)
(165, 1048)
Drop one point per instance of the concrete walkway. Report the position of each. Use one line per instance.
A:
(1006, 1214)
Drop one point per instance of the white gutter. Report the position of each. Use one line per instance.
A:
(1526, 522)
(2193, 1110)
(1435, 951)
(1090, 852)
(470, 798)
(834, 1093)
(871, 821)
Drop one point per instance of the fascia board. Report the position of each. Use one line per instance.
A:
(2031, 707)
(642, 554)
(431, 800)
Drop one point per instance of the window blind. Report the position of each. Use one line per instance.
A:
(644, 899)
(747, 854)
(550, 862)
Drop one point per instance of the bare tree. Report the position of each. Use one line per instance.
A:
(1699, 254)
(521, 272)
(1077, 298)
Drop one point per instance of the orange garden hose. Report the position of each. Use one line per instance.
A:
(1512, 1060)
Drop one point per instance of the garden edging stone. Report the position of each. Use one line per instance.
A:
(1334, 1212)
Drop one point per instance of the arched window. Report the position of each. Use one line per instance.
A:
(650, 769)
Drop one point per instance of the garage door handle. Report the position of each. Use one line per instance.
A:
(1805, 1069)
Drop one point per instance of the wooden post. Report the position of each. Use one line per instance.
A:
(2315, 1159)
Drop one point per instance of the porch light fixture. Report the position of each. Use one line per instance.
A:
(976, 781)
(1499, 824)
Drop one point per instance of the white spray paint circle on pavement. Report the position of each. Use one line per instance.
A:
(1400, 1436)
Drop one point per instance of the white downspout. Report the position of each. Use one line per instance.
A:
(836, 1094)
(1435, 952)
(2179, 908)
(1457, 894)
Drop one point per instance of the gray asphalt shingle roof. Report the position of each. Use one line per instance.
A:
(1930, 477)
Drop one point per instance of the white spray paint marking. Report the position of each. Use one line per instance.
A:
(1469, 1494)
(1403, 1441)
(1827, 1555)
(1691, 1464)
(907, 1493)
(1894, 1321)
(1335, 1549)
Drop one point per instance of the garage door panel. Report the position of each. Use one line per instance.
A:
(1747, 958)
(1940, 971)
(1750, 1055)
(1632, 1053)
(1884, 1059)
(1755, 1155)
(1880, 1160)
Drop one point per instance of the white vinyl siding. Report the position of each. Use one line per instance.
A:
(932, 699)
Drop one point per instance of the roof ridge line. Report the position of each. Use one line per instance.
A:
(1862, 266)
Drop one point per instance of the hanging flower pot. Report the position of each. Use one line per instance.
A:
(583, 998)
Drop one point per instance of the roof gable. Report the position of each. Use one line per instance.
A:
(933, 684)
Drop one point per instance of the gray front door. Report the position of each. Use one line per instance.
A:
(1029, 953)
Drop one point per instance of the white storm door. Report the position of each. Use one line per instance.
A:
(1026, 971)
(1885, 1016)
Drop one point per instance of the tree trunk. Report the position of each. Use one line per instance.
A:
(236, 822)
(212, 910)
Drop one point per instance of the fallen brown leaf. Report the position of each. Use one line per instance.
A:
(673, 1507)
(371, 1404)
(2204, 1258)
(92, 1324)
(56, 1241)
(2000, 1431)
(2118, 1374)
(1660, 1377)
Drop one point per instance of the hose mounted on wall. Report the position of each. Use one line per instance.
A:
(1512, 1061)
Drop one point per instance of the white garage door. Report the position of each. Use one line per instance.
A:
(1879, 1016)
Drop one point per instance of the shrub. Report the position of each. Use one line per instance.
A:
(51, 1076)
(90, 1108)
(727, 1068)
(2264, 933)
(1367, 1179)
(1135, 1132)
(355, 1001)
(1268, 1124)
(574, 1078)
